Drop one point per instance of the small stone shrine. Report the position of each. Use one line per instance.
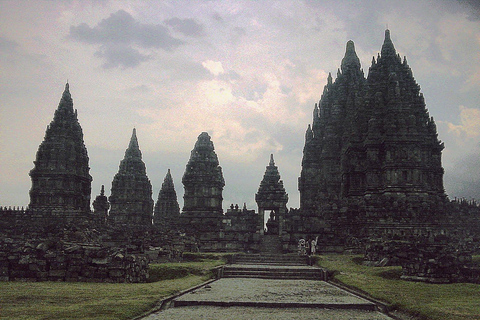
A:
(272, 200)
(166, 209)
(101, 206)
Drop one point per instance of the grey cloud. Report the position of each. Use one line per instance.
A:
(188, 27)
(238, 33)
(121, 27)
(472, 7)
(118, 36)
(463, 179)
(120, 56)
(7, 45)
(142, 88)
(230, 76)
(253, 90)
(180, 69)
(217, 17)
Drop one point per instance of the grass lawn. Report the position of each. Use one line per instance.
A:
(427, 301)
(62, 300)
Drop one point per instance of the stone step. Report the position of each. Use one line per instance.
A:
(271, 244)
(275, 259)
(273, 272)
(283, 305)
(273, 275)
(271, 269)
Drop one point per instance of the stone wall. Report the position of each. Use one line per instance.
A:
(240, 227)
(21, 220)
(439, 264)
(50, 260)
(386, 253)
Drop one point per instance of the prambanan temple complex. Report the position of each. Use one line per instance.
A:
(371, 182)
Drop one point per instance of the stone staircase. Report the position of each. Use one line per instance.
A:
(271, 244)
(270, 259)
(274, 272)
(272, 266)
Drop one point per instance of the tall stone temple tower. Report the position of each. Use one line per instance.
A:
(131, 195)
(166, 209)
(325, 141)
(203, 183)
(60, 178)
(372, 153)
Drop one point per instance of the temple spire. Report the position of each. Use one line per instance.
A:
(133, 149)
(387, 48)
(272, 162)
(66, 96)
(65, 106)
(351, 60)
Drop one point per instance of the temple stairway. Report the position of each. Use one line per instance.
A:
(271, 244)
(272, 266)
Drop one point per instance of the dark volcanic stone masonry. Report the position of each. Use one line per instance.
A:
(131, 198)
(166, 209)
(203, 181)
(371, 178)
(60, 178)
(372, 151)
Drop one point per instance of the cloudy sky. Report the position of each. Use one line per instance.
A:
(247, 72)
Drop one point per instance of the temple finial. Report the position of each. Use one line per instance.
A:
(66, 92)
(272, 162)
(351, 60)
(134, 139)
(102, 191)
(133, 149)
(309, 134)
(387, 48)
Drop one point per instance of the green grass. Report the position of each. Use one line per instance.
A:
(458, 301)
(61, 300)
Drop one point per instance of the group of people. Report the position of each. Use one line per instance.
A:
(308, 247)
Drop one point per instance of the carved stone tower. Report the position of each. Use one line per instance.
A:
(372, 159)
(272, 198)
(166, 208)
(60, 178)
(131, 195)
(401, 151)
(101, 206)
(203, 179)
(203, 183)
(325, 141)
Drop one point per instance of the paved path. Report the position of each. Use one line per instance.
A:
(247, 298)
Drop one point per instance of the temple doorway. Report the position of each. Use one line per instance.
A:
(271, 220)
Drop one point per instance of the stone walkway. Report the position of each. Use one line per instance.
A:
(246, 298)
